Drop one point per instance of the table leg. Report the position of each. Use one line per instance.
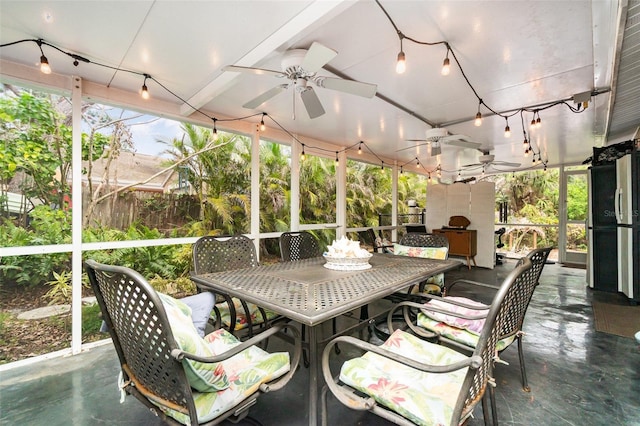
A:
(314, 365)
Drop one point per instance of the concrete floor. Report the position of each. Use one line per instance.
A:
(577, 376)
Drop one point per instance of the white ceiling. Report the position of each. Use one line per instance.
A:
(514, 53)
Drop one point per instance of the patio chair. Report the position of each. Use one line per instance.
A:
(408, 380)
(180, 376)
(435, 247)
(465, 338)
(298, 246)
(224, 253)
(369, 238)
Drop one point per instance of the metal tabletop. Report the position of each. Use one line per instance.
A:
(307, 292)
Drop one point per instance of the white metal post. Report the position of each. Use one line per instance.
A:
(76, 214)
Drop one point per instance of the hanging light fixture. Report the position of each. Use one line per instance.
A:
(446, 65)
(44, 62)
(507, 130)
(144, 92)
(262, 126)
(215, 130)
(538, 121)
(478, 121)
(429, 177)
(302, 156)
(436, 149)
(360, 148)
(337, 161)
(401, 65)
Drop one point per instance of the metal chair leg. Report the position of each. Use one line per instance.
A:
(523, 371)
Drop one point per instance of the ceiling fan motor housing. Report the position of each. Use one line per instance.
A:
(486, 158)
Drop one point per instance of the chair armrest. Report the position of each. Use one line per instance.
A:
(179, 354)
(365, 403)
(474, 283)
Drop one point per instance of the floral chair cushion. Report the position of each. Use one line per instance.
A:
(460, 335)
(246, 371)
(241, 316)
(205, 377)
(434, 284)
(424, 398)
(472, 325)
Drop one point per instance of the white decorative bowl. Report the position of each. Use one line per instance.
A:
(347, 263)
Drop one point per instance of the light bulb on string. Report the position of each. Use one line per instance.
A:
(337, 161)
(507, 130)
(45, 68)
(215, 130)
(382, 166)
(538, 122)
(417, 163)
(429, 177)
(262, 126)
(360, 148)
(439, 171)
(302, 156)
(446, 65)
(401, 64)
(401, 171)
(144, 91)
(478, 121)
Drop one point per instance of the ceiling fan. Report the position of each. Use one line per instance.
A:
(438, 136)
(487, 159)
(300, 67)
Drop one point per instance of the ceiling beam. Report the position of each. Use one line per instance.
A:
(316, 11)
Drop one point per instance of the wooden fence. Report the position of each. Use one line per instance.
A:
(152, 209)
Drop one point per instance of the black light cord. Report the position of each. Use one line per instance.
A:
(403, 36)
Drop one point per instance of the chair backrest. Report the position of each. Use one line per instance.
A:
(217, 254)
(476, 380)
(416, 228)
(524, 292)
(415, 239)
(298, 246)
(141, 334)
(368, 237)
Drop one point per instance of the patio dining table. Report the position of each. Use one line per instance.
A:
(307, 292)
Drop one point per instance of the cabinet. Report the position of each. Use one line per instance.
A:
(462, 242)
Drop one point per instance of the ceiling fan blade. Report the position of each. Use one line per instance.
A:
(257, 71)
(424, 142)
(317, 56)
(311, 103)
(366, 90)
(461, 141)
(256, 102)
(472, 165)
(506, 163)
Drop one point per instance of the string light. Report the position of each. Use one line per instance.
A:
(478, 121)
(262, 126)
(360, 148)
(144, 92)
(446, 66)
(382, 166)
(215, 130)
(302, 156)
(401, 64)
(417, 163)
(429, 177)
(507, 130)
(533, 122)
(538, 121)
(337, 161)
(401, 171)
(439, 169)
(45, 68)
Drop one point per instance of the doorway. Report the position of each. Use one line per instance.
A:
(573, 221)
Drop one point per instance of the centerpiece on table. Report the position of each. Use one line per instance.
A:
(346, 255)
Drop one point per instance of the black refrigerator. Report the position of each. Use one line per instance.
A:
(602, 228)
(614, 226)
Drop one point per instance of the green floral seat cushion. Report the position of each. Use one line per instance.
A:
(204, 377)
(246, 371)
(424, 398)
(241, 316)
(460, 335)
(434, 284)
